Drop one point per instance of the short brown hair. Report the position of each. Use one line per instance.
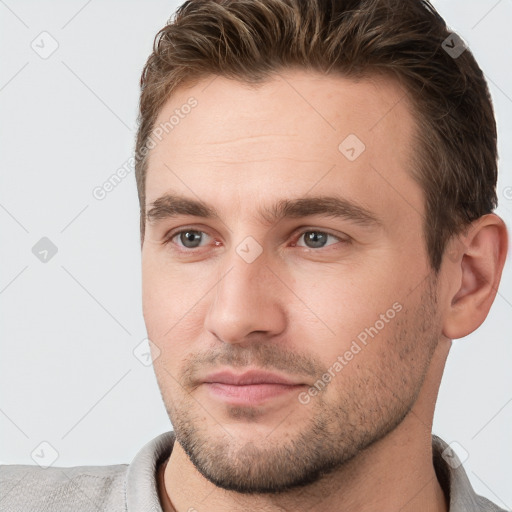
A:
(250, 40)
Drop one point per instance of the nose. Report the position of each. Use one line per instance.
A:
(247, 302)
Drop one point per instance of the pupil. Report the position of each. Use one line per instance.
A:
(316, 239)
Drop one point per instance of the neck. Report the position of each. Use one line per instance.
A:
(395, 473)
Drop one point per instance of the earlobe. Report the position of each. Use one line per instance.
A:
(476, 268)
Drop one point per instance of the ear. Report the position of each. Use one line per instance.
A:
(475, 263)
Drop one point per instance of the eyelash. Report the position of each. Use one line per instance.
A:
(173, 234)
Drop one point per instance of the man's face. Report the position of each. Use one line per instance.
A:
(307, 262)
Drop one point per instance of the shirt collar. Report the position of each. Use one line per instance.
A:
(141, 479)
(455, 482)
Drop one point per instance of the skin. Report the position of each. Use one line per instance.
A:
(363, 442)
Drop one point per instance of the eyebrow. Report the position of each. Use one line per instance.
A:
(173, 205)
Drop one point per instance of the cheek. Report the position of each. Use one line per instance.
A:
(344, 304)
(374, 368)
(171, 297)
(174, 317)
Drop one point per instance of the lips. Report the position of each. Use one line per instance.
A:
(248, 378)
(250, 388)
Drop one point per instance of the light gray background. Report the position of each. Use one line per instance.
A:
(69, 326)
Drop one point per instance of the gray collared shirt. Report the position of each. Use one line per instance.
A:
(133, 487)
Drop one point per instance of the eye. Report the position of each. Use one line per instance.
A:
(188, 238)
(315, 239)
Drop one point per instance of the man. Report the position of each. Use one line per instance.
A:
(316, 181)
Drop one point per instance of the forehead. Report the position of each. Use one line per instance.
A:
(294, 132)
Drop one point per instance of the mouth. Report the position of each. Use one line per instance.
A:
(249, 388)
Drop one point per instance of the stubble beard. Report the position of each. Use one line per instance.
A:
(367, 406)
